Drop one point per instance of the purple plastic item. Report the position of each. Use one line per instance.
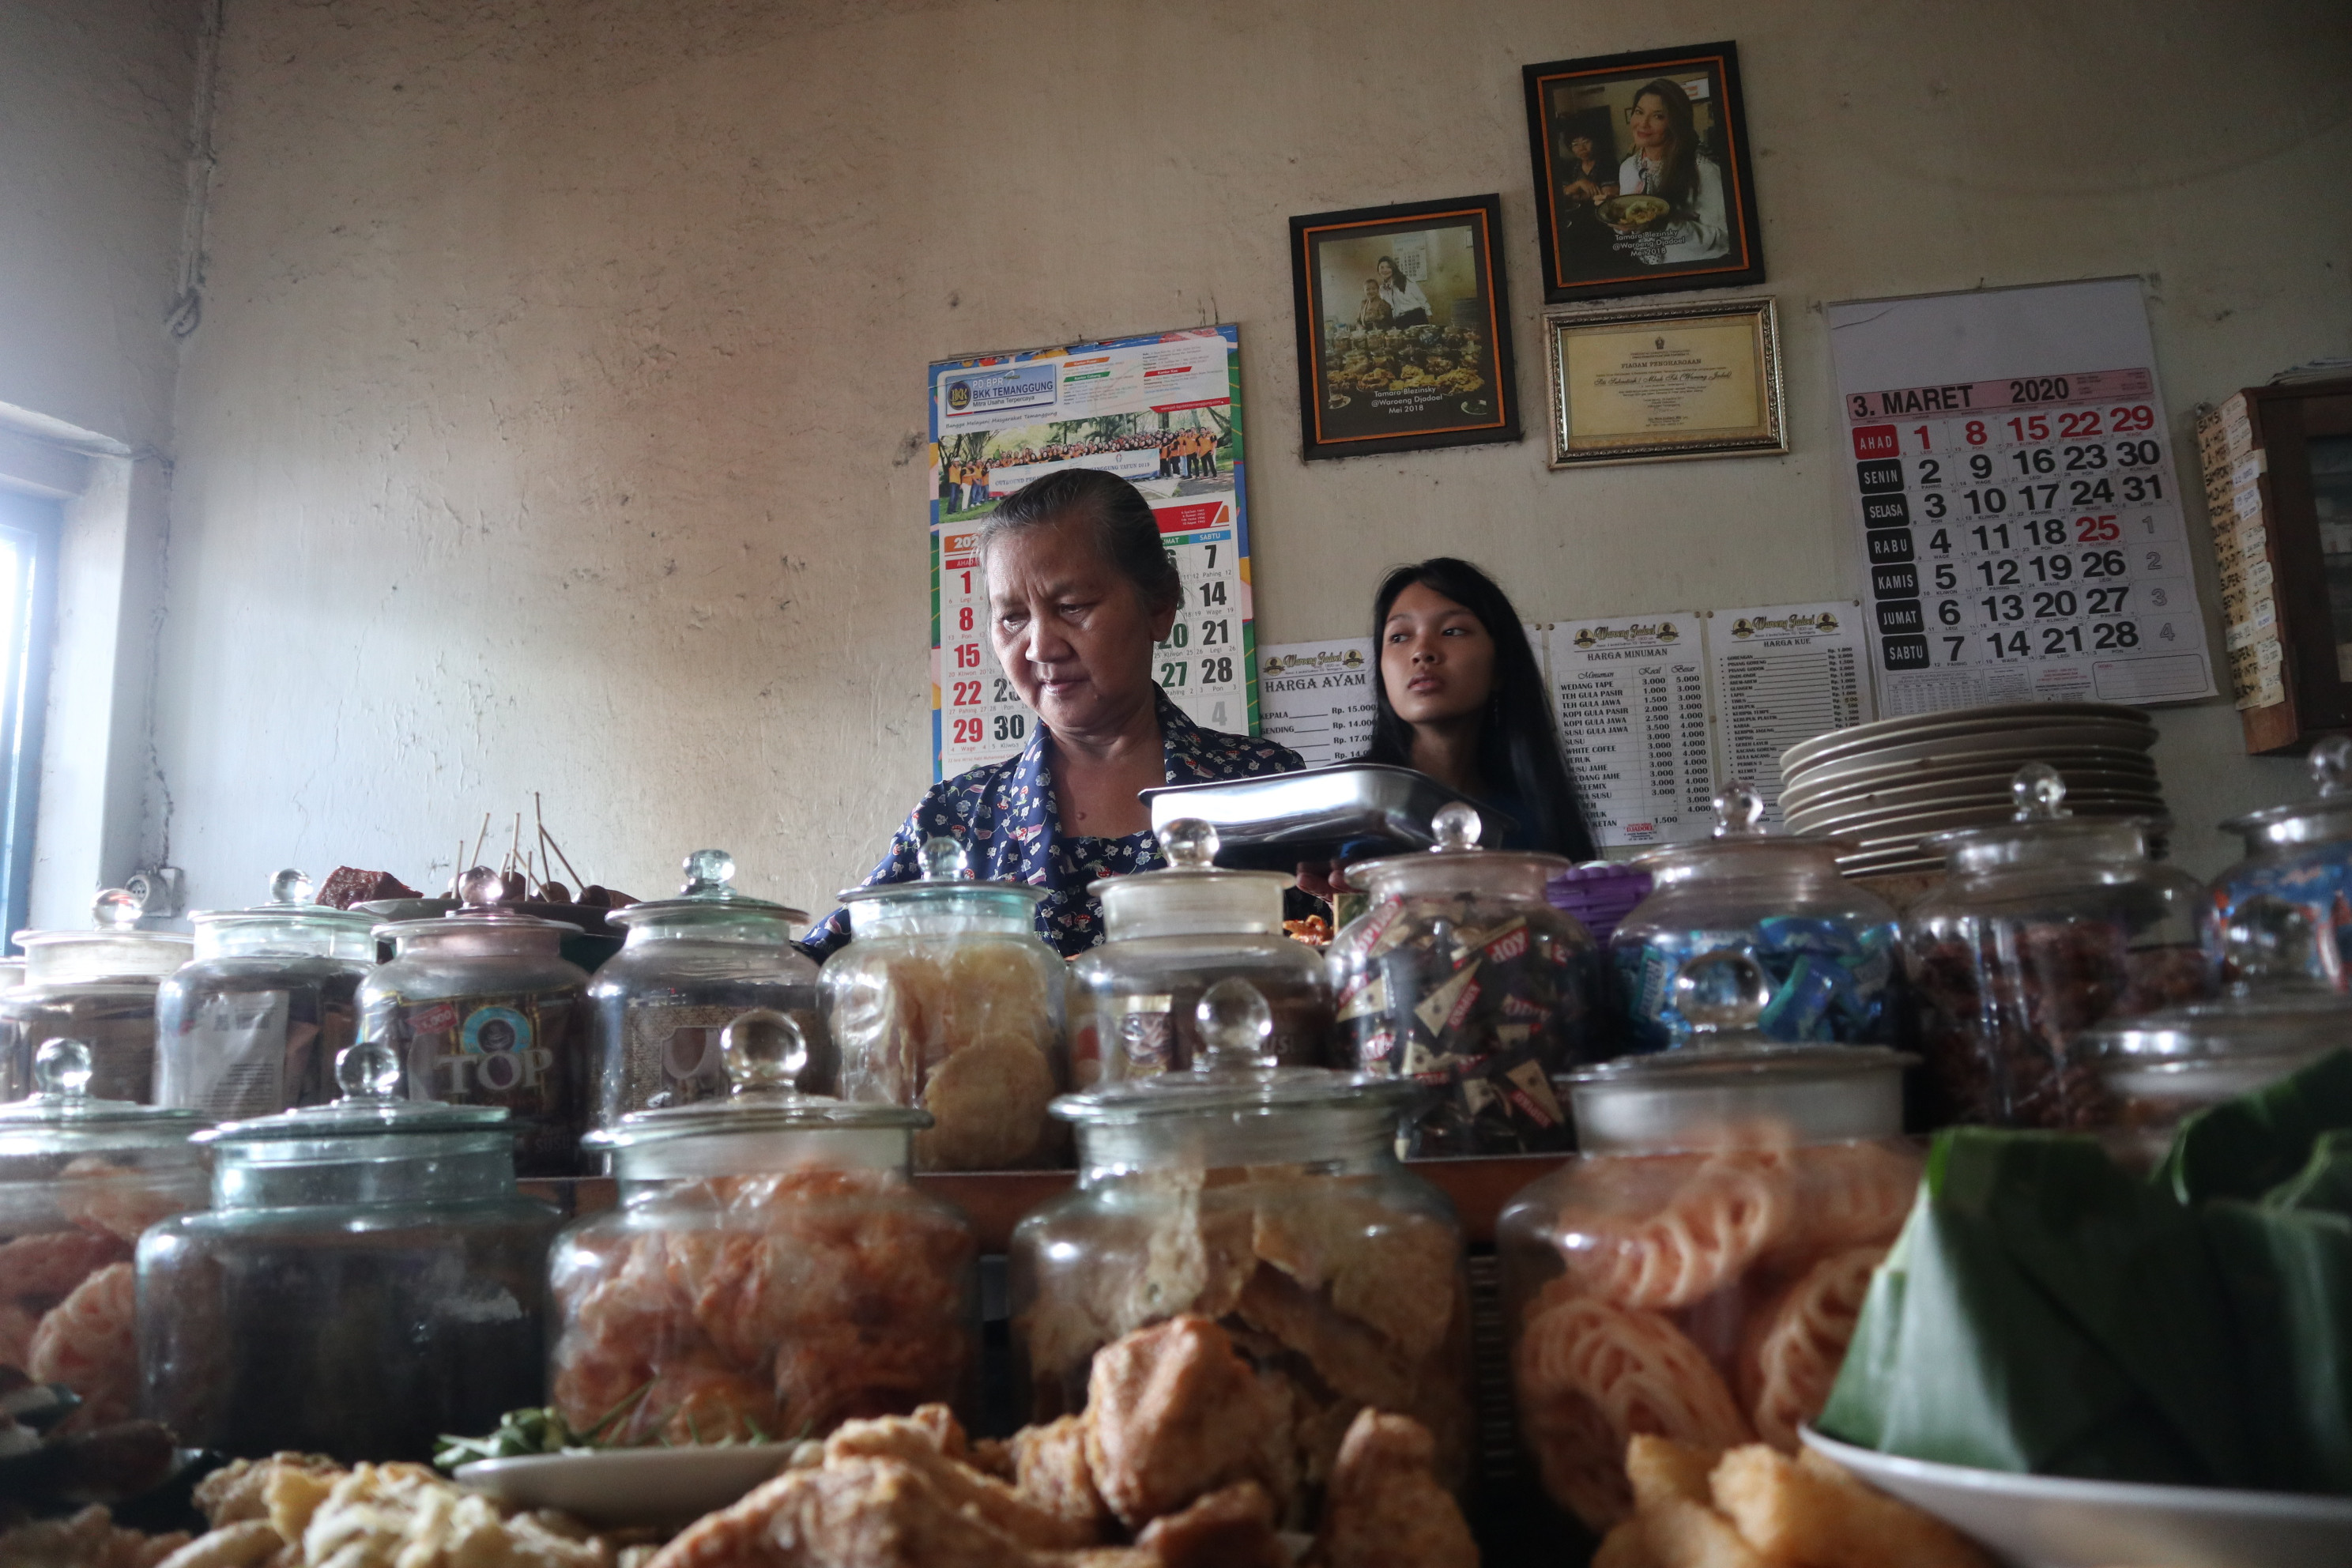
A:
(1600, 893)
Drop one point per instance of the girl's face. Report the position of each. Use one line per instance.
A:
(1437, 661)
(1388, 273)
(1651, 128)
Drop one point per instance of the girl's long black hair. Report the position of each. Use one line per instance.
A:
(1518, 749)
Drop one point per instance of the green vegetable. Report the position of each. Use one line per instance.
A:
(2325, 1183)
(2289, 1276)
(2243, 1147)
(541, 1429)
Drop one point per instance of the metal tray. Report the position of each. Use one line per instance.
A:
(1277, 822)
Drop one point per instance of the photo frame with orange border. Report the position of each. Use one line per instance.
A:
(1643, 176)
(1404, 329)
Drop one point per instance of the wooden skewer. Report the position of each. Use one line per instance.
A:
(514, 851)
(566, 859)
(479, 840)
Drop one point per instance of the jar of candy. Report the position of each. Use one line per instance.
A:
(1695, 1270)
(2043, 926)
(2301, 852)
(947, 1000)
(1827, 946)
(482, 1010)
(368, 1278)
(691, 963)
(1270, 1199)
(80, 1178)
(771, 1271)
(254, 1023)
(1169, 936)
(1461, 976)
(96, 987)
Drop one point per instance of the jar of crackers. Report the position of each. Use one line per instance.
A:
(771, 1271)
(1269, 1198)
(1695, 1271)
(946, 1000)
(1169, 936)
(95, 986)
(2043, 927)
(689, 966)
(2301, 852)
(1461, 976)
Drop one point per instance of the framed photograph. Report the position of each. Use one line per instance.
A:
(1643, 182)
(1644, 383)
(1403, 329)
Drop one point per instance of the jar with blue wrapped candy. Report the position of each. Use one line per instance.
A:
(1827, 947)
(2300, 852)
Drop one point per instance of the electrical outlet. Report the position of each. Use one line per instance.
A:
(158, 890)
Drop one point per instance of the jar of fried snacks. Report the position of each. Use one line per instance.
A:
(771, 1271)
(1695, 1271)
(80, 1178)
(1270, 1199)
(2043, 926)
(2302, 852)
(1827, 946)
(1461, 976)
(692, 965)
(947, 1000)
(1169, 936)
(96, 987)
(368, 1278)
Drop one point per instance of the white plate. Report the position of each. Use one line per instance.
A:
(1962, 721)
(1841, 820)
(2051, 1522)
(1967, 785)
(629, 1485)
(2059, 751)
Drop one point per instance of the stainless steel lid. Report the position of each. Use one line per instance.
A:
(2326, 816)
(708, 898)
(943, 889)
(1191, 897)
(2275, 1004)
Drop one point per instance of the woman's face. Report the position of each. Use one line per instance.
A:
(1436, 660)
(1581, 148)
(1388, 273)
(1073, 635)
(1651, 128)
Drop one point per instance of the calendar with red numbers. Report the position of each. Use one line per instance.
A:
(2009, 465)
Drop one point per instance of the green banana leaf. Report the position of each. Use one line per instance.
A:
(2243, 1147)
(2325, 1183)
(2288, 1273)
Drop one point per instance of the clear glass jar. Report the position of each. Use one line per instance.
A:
(1694, 1270)
(80, 1179)
(1828, 947)
(368, 1278)
(1270, 1199)
(2301, 852)
(946, 999)
(1461, 976)
(690, 965)
(1167, 937)
(483, 1010)
(2043, 927)
(771, 1271)
(96, 987)
(253, 1024)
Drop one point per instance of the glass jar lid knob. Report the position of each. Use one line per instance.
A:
(2040, 794)
(708, 874)
(367, 1071)
(2331, 766)
(2268, 941)
(61, 1069)
(1236, 1026)
(1190, 843)
(116, 909)
(1458, 827)
(1738, 811)
(481, 889)
(942, 860)
(290, 887)
(1721, 991)
(763, 1051)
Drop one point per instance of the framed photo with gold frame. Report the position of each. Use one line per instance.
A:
(1649, 383)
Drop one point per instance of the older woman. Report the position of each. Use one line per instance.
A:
(1080, 591)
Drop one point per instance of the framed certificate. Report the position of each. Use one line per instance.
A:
(1644, 384)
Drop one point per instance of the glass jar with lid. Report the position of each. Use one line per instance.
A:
(771, 1270)
(1695, 1269)
(1167, 937)
(1270, 1199)
(254, 1023)
(2301, 852)
(1461, 976)
(368, 1278)
(2043, 926)
(692, 965)
(96, 987)
(946, 999)
(482, 1009)
(80, 1179)
(1829, 947)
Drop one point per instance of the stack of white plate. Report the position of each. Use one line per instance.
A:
(1885, 787)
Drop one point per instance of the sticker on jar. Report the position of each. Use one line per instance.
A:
(517, 1052)
(1146, 1033)
(234, 1062)
(672, 1056)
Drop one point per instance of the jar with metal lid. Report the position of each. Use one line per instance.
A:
(690, 965)
(253, 1024)
(1461, 976)
(96, 987)
(2301, 852)
(368, 1278)
(947, 1000)
(2043, 926)
(1828, 948)
(1695, 1269)
(771, 1270)
(1167, 937)
(1269, 1199)
(80, 1179)
(482, 1010)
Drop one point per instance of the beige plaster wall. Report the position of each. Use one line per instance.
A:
(554, 422)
